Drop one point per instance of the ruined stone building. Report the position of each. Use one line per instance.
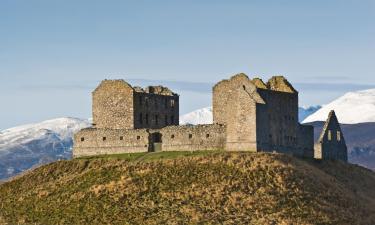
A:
(331, 143)
(249, 115)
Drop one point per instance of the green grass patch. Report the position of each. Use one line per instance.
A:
(150, 156)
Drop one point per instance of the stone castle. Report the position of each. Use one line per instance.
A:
(248, 115)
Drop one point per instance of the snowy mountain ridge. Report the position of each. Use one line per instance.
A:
(204, 115)
(351, 108)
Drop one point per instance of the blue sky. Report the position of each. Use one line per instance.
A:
(54, 52)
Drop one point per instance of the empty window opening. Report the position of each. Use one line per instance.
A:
(244, 87)
(190, 136)
(338, 135)
(121, 138)
(104, 138)
(207, 135)
(329, 135)
(138, 137)
(82, 139)
(172, 136)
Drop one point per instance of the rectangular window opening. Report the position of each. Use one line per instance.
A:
(329, 135)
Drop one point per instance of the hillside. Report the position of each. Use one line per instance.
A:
(217, 187)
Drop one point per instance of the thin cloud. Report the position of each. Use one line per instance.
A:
(199, 87)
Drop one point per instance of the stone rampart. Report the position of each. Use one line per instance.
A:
(193, 138)
(93, 141)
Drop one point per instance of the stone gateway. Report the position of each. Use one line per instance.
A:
(248, 115)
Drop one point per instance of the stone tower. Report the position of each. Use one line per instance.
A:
(331, 143)
(260, 116)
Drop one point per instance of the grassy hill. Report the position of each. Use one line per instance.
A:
(206, 188)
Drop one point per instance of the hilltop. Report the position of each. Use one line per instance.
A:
(215, 187)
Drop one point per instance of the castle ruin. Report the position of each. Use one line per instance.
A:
(248, 114)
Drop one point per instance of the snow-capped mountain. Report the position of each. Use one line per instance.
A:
(200, 116)
(25, 146)
(204, 115)
(304, 112)
(351, 108)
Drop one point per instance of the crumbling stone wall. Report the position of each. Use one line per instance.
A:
(222, 93)
(155, 107)
(279, 118)
(193, 138)
(117, 105)
(234, 104)
(331, 143)
(305, 137)
(93, 141)
(112, 105)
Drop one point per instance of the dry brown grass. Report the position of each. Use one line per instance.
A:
(218, 188)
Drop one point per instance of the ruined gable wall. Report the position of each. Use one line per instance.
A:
(193, 138)
(336, 147)
(112, 105)
(221, 94)
(155, 110)
(91, 141)
(241, 122)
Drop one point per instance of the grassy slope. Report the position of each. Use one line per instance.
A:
(163, 188)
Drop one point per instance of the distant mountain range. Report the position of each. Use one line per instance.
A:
(204, 115)
(25, 146)
(351, 108)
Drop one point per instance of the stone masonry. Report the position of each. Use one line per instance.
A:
(249, 115)
(331, 143)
